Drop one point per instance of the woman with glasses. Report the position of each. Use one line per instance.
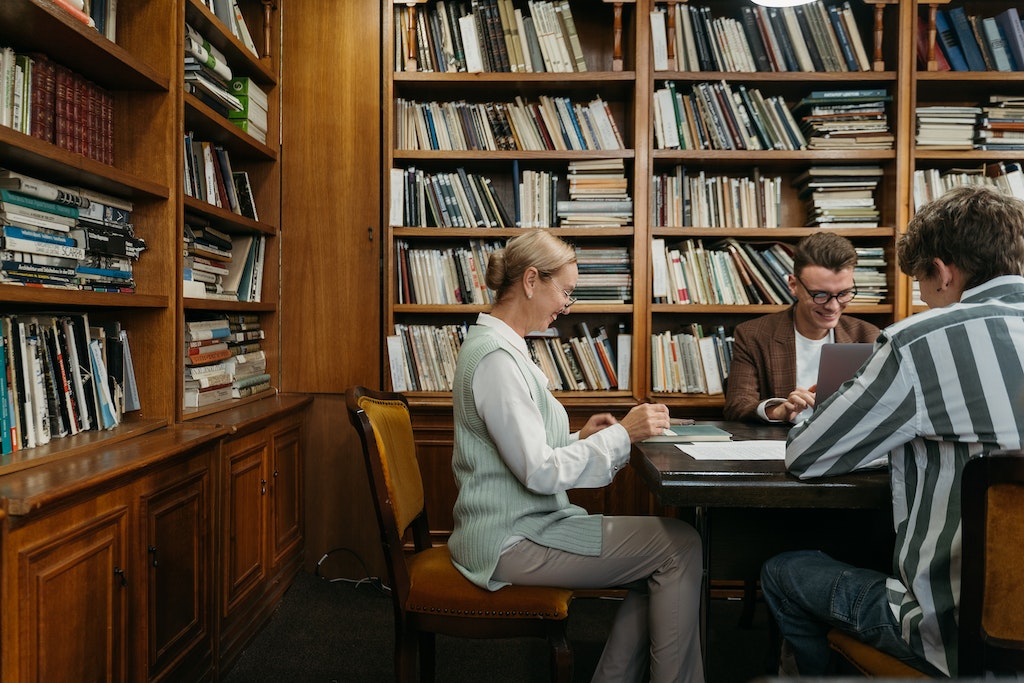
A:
(775, 357)
(514, 460)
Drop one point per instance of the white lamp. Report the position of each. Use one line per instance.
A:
(781, 3)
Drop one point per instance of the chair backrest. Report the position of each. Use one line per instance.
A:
(991, 621)
(385, 429)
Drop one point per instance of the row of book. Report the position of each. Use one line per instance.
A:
(931, 183)
(605, 275)
(98, 14)
(231, 16)
(815, 36)
(969, 42)
(48, 101)
(210, 178)
(422, 357)
(489, 35)
(597, 191)
(846, 119)
(453, 275)
(551, 123)
(65, 237)
(224, 359)
(840, 196)
(683, 198)
(60, 376)
(717, 116)
(222, 266)
(690, 361)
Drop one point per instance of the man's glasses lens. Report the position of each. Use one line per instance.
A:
(822, 298)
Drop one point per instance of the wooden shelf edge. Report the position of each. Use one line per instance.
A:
(247, 415)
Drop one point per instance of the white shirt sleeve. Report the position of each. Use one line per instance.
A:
(513, 420)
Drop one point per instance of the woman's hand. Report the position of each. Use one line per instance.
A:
(646, 420)
(596, 423)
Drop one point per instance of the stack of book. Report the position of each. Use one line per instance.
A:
(690, 361)
(207, 74)
(1001, 124)
(605, 275)
(845, 119)
(224, 359)
(840, 196)
(598, 195)
(536, 199)
(809, 37)
(65, 237)
(208, 259)
(870, 276)
(946, 127)
(490, 35)
(61, 376)
(252, 117)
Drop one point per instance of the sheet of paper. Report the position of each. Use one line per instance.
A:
(735, 450)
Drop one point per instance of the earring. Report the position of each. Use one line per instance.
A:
(529, 296)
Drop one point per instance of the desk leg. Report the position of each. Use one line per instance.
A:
(701, 522)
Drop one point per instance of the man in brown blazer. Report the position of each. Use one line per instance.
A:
(775, 357)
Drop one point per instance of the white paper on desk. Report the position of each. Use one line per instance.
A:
(735, 450)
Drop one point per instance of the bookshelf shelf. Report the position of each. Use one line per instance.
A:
(13, 294)
(488, 233)
(42, 27)
(209, 125)
(765, 233)
(400, 155)
(228, 220)
(192, 304)
(262, 70)
(742, 158)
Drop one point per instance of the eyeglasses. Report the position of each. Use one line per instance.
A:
(569, 298)
(822, 298)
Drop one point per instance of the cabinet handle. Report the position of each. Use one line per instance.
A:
(120, 573)
(275, 474)
(152, 554)
(263, 487)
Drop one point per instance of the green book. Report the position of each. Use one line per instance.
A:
(690, 433)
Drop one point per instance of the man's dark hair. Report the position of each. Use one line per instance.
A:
(980, 230)
(825, 249)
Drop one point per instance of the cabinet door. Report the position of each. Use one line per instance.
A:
(286, 500)
(175, 543)
(72, 599)
(243, 525)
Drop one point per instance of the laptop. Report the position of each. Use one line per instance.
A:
(839, 362)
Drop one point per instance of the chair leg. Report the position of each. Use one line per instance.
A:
(428, 658)
(406, 655)
(561, 654)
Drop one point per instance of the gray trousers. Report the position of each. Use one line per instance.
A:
(657, 621)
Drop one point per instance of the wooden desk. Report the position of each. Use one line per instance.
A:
(680, 481)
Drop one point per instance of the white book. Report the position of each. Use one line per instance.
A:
(6, 86)
(471, 44)
(524, 45)
(659, 40)
(242, 27)
(28, 407)
(109, 417)
(685, 16)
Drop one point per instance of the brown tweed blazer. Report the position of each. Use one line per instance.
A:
(764, 359)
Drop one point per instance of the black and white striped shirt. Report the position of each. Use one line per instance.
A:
(942, 386)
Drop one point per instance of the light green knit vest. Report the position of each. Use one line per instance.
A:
(492, 503)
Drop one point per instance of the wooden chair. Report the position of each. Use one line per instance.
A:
(991, 619)
(429, 595)
(992, 574)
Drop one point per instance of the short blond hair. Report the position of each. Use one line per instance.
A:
(537, 248)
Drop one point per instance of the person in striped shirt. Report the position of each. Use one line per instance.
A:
(941, 387)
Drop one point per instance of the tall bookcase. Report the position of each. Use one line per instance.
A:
(142, 70)
(629, 92)
(259, 160)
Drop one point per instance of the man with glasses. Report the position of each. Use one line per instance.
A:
(775, 357)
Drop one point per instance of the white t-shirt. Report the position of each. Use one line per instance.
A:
(808, 355)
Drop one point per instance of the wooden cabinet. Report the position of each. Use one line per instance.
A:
(261, 517)
(106, 564)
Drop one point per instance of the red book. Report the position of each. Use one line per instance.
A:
(74, 12)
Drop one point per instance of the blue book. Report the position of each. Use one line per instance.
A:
(37, 236)
(948, 43)
(517, 217)
(968, 43)
(5, 397)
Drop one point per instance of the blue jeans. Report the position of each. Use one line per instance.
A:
(808, 593)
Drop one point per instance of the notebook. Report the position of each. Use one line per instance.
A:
(690, 433)
(839, 362)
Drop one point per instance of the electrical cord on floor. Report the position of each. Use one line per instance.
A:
(374, 581)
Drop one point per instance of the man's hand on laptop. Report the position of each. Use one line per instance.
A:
(798, 400)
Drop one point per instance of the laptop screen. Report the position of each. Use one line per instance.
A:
(839, 362)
